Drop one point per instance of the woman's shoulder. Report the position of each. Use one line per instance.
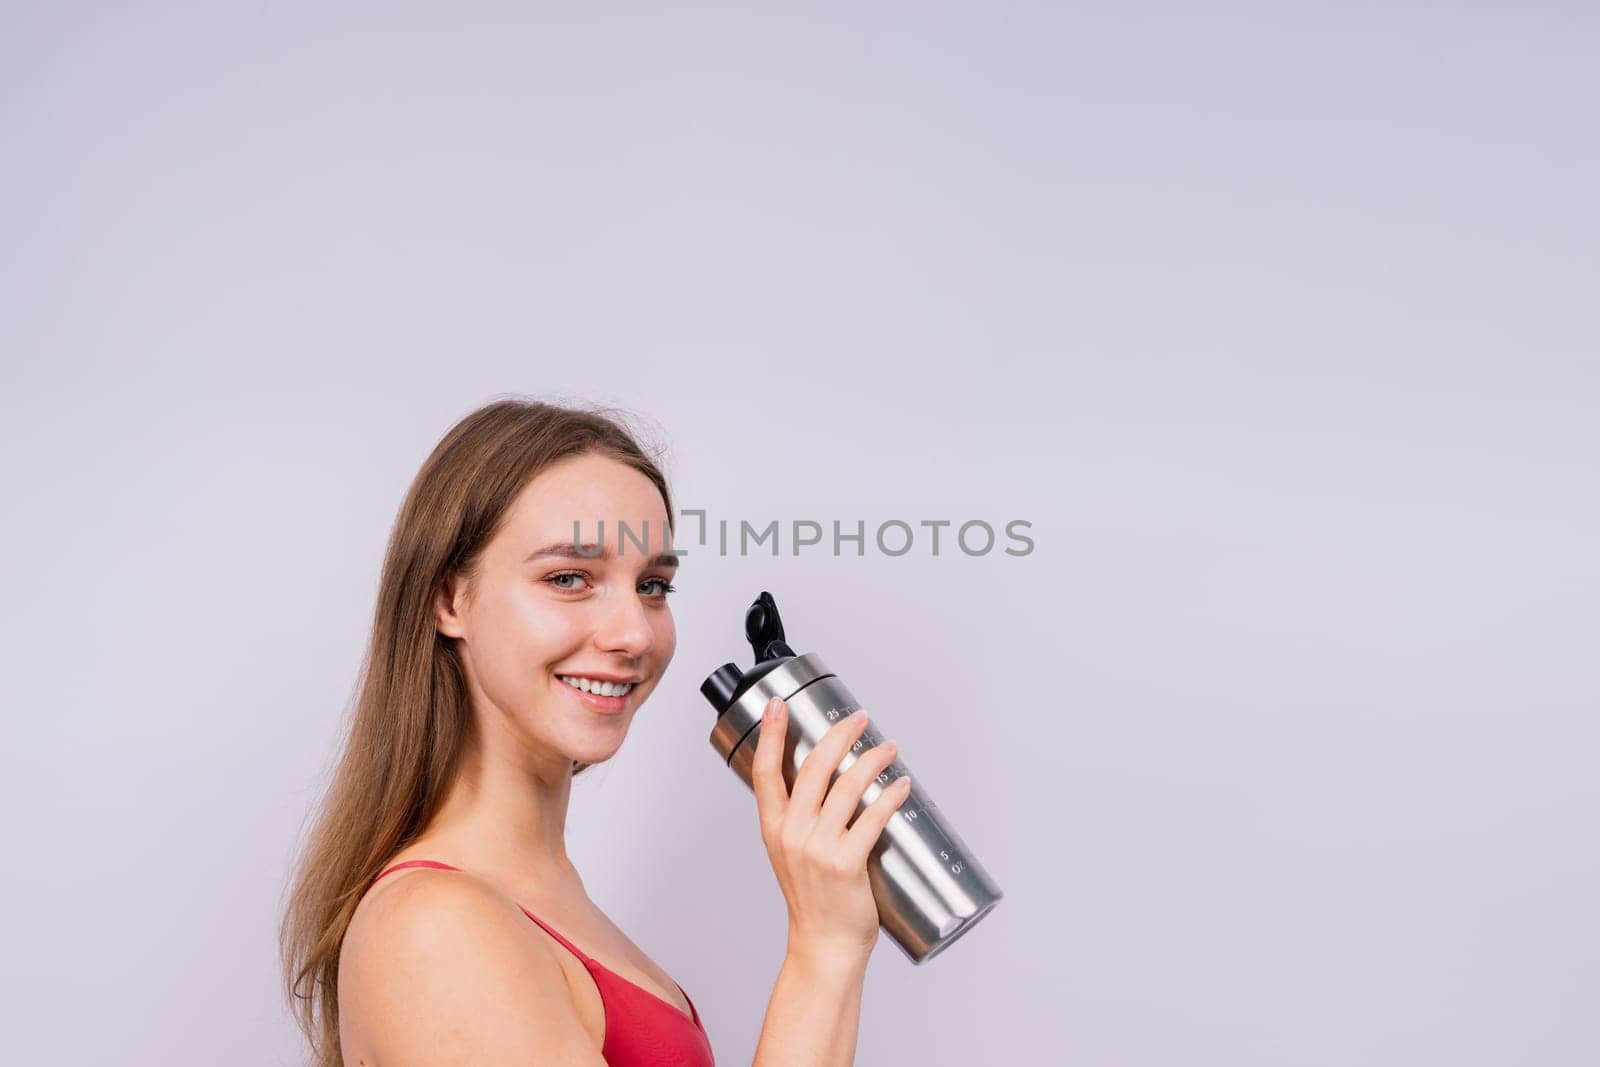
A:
(415, 902)
(424, 920)
(455, 943)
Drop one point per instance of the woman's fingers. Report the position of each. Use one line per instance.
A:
(816, 771)
(846, 793)
(822, 872)
(766, 772)
(861, 837)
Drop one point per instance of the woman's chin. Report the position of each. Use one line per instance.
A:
(598, 749)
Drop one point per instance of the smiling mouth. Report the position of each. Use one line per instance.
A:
(596, 687)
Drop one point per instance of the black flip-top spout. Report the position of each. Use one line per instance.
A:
(764, 629)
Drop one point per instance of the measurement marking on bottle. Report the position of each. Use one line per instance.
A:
(834, 714)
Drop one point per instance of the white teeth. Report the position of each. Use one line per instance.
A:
(590, 685)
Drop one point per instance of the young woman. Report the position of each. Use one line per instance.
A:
(436, 918)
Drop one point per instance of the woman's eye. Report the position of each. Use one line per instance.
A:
(564, 580)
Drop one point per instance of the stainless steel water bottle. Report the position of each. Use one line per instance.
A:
(929, 887)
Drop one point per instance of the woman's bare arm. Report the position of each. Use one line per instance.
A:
(815, 1011)
(438, 971)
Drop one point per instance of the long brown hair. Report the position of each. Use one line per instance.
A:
(411, 711)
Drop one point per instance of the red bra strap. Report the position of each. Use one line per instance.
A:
(555, 934)
(413, 863)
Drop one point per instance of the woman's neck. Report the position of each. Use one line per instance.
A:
(506, 817)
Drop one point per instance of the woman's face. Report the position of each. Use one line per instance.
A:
(530, 617)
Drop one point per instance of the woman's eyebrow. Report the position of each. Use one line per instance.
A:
(569, 550)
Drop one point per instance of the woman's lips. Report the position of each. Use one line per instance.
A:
(596, 702)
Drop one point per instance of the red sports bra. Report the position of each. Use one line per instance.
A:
(641, 1029)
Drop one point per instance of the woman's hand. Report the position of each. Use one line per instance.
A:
(820, 859)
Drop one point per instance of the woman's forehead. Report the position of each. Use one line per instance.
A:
(574, 497)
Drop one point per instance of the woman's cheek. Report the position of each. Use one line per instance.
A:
(668, 639)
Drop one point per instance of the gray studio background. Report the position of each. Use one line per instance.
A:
(1276, 321)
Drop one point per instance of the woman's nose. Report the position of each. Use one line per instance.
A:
(624, 627)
